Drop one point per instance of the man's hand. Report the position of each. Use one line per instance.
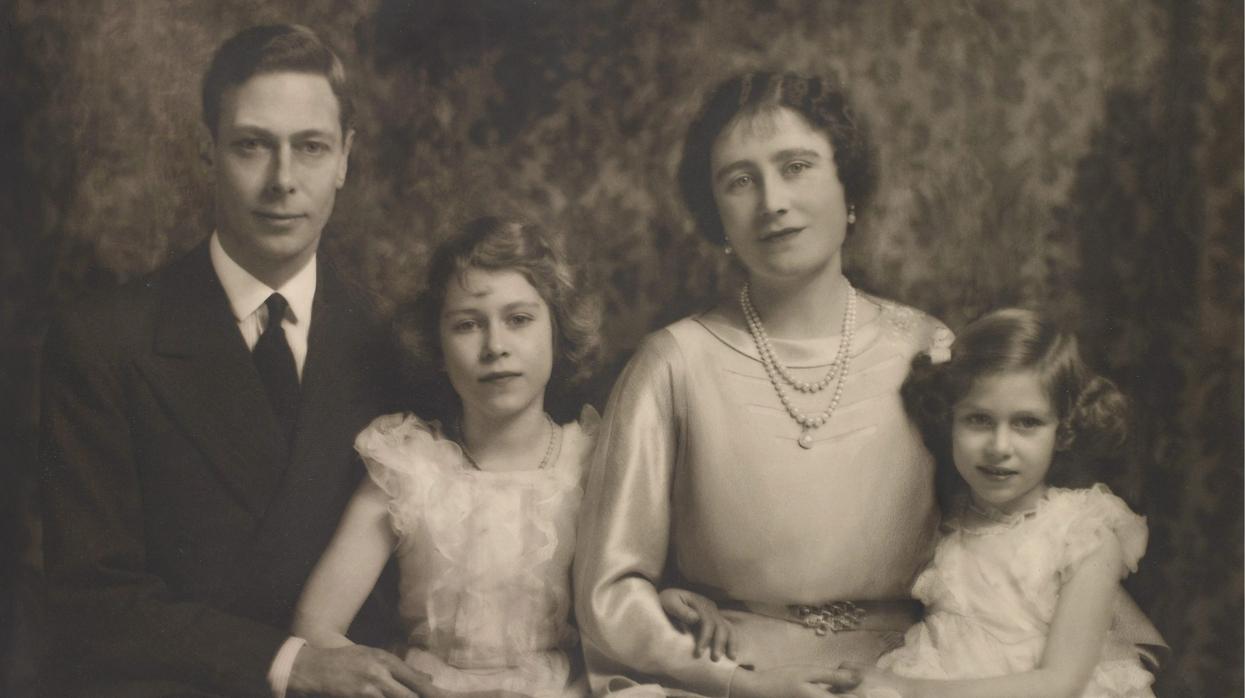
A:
(355, 670)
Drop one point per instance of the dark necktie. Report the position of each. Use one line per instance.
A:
(276, 367)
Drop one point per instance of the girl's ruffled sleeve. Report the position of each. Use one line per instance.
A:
(392, 448)
(1095, 514)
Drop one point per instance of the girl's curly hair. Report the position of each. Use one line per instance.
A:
(818, 100)
(494, 244)
(1092, 413)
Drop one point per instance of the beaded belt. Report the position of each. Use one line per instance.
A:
(840, 616)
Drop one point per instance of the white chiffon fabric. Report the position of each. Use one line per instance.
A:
(990, 592)
(484, 557)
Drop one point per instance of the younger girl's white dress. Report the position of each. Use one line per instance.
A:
(990, 592)
(484, 557)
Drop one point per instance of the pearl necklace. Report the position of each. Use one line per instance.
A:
(549, 447)
(778, 374)
(766, 350)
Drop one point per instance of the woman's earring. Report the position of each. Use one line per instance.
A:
(726, 250)
(851, 214)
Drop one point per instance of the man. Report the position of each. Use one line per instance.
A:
(197, 425)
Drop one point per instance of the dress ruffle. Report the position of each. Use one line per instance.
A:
(991, 592)
(484, 555)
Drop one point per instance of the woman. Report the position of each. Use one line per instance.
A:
(759, 453)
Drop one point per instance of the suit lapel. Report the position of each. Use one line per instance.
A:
(327, 372)
(202, 370)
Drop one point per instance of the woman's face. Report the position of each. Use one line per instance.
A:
(497, 340)
(779, 195)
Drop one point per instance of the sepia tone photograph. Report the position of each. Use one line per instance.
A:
(748, 348)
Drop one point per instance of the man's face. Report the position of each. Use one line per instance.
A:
(279, 157)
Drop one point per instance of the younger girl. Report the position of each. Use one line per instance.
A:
(479, 509)
(1021, 591)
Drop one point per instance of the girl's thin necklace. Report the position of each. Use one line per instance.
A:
(999, 517)
(544, 461)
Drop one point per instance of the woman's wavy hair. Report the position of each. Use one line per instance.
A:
(496, 244)
(1092, 413)
(822, 104)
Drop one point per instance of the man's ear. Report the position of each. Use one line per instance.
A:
(344, 164)
(207, 147)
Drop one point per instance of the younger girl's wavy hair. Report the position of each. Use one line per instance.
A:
(496, 244)
(1092, 413)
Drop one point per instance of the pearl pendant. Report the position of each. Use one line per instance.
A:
(805, 440)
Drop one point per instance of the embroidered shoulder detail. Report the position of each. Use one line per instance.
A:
(914, 327)
(940, 342)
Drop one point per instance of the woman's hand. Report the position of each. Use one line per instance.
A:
(795, 681)
(878, 683)
(691, 610)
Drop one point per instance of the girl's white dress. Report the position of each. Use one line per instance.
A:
(484, 557)
(990, 592)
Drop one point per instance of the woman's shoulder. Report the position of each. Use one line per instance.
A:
(915, 328)
(671, 345)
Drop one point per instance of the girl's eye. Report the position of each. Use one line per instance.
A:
(795, 168)
(249, 145)
(464, 326)
(314, 148)
(976, 419)
(740, 181)
(1028, 422)
(521, 320)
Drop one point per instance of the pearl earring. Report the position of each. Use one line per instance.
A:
(726, 250)
(851, 214)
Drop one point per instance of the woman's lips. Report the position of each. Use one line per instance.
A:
(498, 377)
(776, 235)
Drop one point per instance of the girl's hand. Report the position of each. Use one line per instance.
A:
(795, 681)
(691, 610)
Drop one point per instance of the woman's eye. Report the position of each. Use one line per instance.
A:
(521, 320)
(739, 182)
(464, 325)
(314, 148)
(1028, 423)
(249, 145)
(795, 168)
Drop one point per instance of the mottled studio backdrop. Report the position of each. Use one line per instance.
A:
(1082, 155)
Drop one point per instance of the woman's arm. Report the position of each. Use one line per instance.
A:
(347, 570)
(624, 533)
(1073, 647)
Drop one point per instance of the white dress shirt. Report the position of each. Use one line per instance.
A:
(246, 296)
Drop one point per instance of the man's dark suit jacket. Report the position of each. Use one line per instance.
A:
(179, 527)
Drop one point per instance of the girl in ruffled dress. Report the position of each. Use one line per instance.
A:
(1021, 592)
(478, 509)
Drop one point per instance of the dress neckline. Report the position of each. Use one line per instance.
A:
(725, 322)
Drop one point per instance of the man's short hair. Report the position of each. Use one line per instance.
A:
(273, 48)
